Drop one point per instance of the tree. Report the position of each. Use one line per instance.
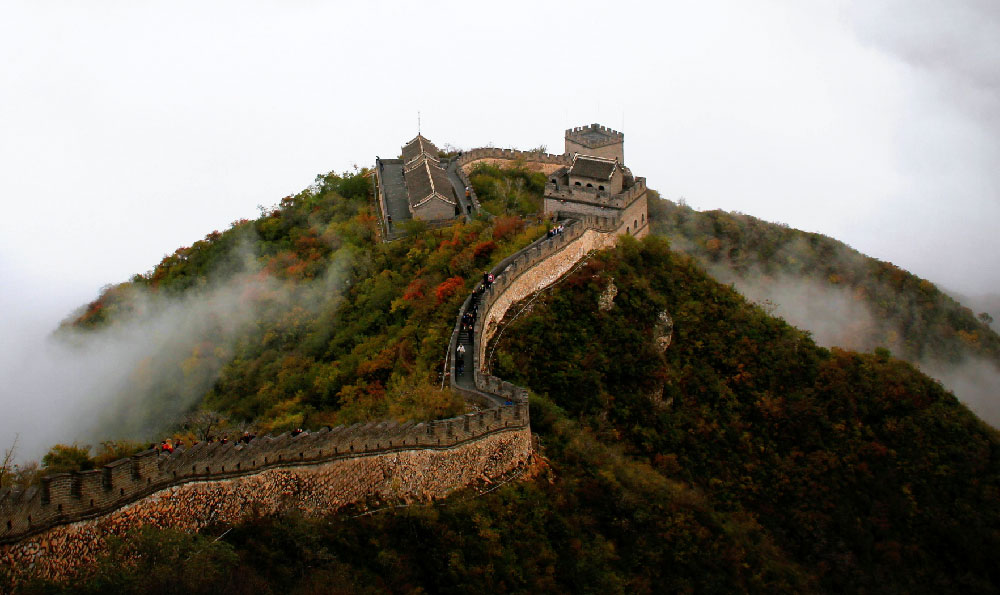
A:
(63, 458)
(986, 318)
(7, 463)
(203, 422)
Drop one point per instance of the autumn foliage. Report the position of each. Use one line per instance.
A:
(448, 288)
(504, 227)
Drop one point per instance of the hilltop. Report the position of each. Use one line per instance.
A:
(688, 440)
(740, 457)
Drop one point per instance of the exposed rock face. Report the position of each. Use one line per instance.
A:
(607, 299)
(663, 332)
(315, 490)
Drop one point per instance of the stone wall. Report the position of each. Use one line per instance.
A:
(509, 155)
(634, 218)
(611, 148)
(536, 270)
(27, 517)
(314, 488)
(533, 160)
(434, 208)
(62, 523)
(613, 151)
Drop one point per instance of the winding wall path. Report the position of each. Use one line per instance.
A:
(62, 524)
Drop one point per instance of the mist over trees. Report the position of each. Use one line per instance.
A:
(842, 297)
(742, 458)
(300, 318)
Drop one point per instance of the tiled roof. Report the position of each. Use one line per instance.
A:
(418, 145)
(595, 168)
(424, 180)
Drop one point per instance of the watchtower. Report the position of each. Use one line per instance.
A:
(597, 141)
(596, 182)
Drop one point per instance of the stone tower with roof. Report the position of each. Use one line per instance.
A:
(596, 182)
(597, 141)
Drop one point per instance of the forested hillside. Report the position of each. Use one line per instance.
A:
(302, 318)
(740, 458)
(908, 315)
(842, 297)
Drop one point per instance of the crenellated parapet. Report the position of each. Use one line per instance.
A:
(69, 497)
(533, 268)
(483, 153)
(46, 526)
(596, 135)
(556, 191)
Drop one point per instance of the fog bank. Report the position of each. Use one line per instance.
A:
(140, 374)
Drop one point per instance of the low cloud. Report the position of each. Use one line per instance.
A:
(144, 371)
(836, 317)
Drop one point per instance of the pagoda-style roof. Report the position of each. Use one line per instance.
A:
(419, 146)
(425, 180)
(595, 168)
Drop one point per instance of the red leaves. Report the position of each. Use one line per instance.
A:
(448, 288)
(484, 249)
(415, 290)
(445, 244)
(506, 226)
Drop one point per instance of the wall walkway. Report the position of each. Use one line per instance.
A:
(62, 523)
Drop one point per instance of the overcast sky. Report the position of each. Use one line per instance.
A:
(128, 129)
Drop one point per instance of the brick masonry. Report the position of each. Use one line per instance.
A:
(55, 528)
(314, 489)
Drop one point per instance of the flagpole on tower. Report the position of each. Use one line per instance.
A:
(418, 122)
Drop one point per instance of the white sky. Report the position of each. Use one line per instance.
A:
(130, 128)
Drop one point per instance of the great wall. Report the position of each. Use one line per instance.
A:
(52, 529)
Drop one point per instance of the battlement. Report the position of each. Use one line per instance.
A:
(430, 457)
(595, 135)
(596, 140)
(491, 153)
(564, 192)
(514, 277)
(512, 155)
(68, 497)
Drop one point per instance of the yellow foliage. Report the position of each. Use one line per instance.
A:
(969, 337)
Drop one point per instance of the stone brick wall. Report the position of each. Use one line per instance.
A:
(69, 497)
(612, 148)
(63, 523)
(434, 209)
(615, 151)
(509, 155)
(536, 269)
(314, 488)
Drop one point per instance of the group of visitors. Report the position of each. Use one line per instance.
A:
(468, 322)
(168, 446)
(555, 231)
